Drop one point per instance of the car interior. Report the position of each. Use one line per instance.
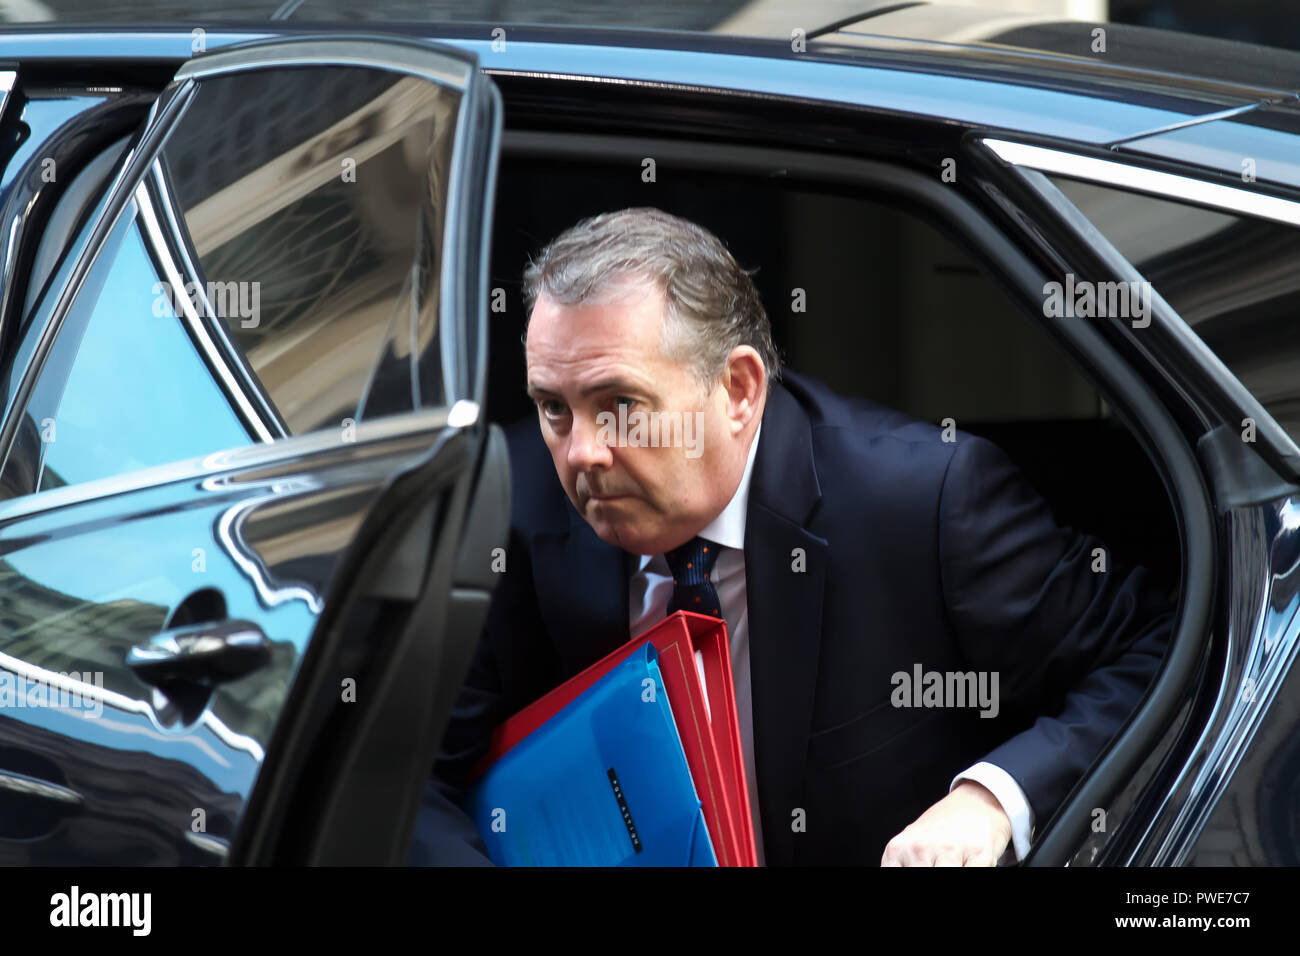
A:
(893, 310)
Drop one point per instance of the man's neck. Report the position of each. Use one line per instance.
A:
(728, 528)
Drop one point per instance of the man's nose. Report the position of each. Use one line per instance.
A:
(587, 450)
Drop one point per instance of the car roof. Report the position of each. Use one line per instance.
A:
(1053, 44)
(973, 36)
(1031, 75)
(1101, 102)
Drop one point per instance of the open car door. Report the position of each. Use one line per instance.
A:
(248, 505)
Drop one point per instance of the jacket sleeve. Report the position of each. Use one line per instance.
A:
(444, 834)
(1048, 611)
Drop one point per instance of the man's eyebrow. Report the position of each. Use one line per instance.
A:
(614, 385)
(604, 385)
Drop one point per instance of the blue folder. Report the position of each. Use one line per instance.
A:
(602, 783)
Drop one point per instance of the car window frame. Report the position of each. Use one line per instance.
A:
(53, 388)
(463, 252)
(1031, 163)
(169, 246)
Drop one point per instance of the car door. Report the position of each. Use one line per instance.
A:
(247, 504)
(1213, 783)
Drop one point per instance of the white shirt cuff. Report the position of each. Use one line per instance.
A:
(1014, 803)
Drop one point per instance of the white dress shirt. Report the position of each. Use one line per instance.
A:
(651, 588)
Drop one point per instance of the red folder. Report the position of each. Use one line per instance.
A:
(710, 731)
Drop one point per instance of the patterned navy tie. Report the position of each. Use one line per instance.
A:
(691, 566)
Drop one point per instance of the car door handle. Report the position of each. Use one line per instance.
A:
(206, 654)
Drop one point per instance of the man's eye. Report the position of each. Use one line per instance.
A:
(624, 402)
(552, 408)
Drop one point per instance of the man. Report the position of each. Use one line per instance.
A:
(924, 662)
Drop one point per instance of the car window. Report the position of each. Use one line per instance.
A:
(258, 286)
(316, 242)
(123, 387)
(1232, 279)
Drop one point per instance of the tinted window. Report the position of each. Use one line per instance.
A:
(277, 272)
(1232, 278)
(123, 387)
(313, 200)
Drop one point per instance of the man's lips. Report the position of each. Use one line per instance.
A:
(605, 497)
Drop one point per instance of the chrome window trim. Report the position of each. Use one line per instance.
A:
(390, 53)
(178, 251)
(1185, 189)
(212, 355)
(450, 348)
(490, 122)
(463, 414)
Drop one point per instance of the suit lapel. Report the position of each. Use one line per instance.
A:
(581, 587)
(785, 571)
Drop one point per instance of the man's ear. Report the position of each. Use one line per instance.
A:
(745, 382)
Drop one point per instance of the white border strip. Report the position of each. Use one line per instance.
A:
(1167, 185)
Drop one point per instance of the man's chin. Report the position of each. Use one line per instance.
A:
(621, 534)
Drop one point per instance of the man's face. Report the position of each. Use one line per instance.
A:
(590, 359)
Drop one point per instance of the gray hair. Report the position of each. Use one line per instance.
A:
(712, 303)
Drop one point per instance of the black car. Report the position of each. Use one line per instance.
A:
(260, 317)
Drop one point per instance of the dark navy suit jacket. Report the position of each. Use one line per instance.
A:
(872, 545)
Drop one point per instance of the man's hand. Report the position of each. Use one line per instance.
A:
(965, 828)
